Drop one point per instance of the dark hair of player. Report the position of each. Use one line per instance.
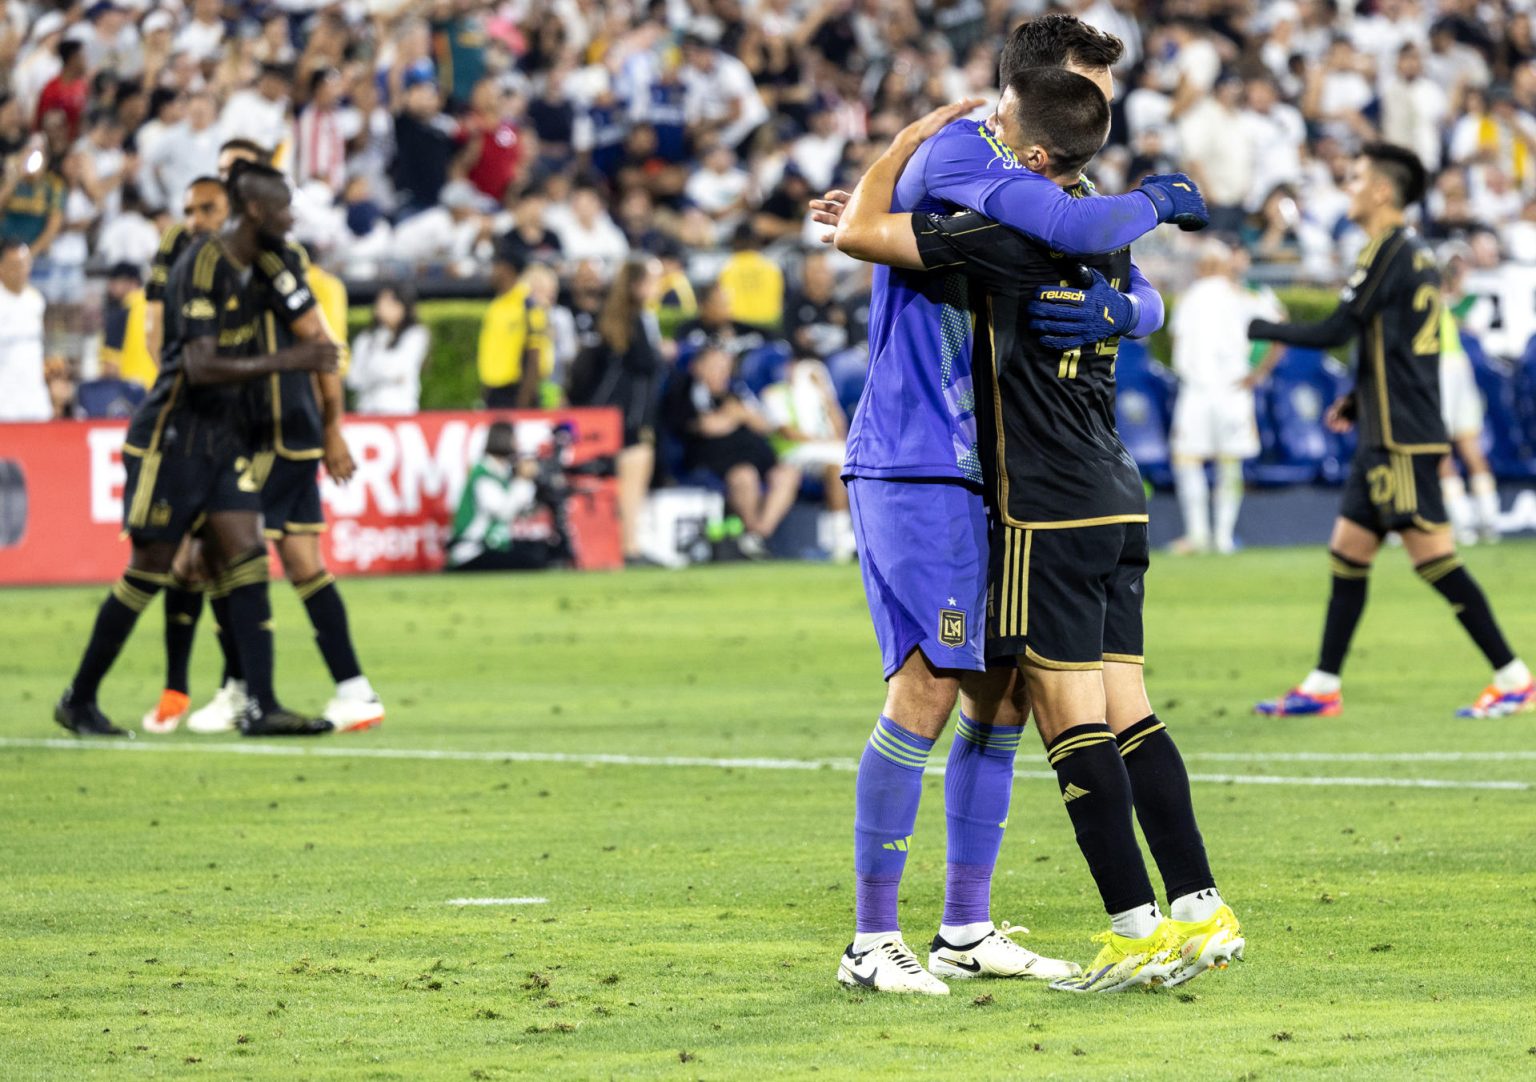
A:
(246, 180)
(1054, 40)
(249, 146)
(1401, 167)
(198, 182)
(9, 245)
(1063, 112)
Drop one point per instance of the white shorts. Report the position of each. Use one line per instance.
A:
(1214, 423)
(1460, 402)
(814, 454)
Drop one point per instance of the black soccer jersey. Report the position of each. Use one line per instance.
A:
(207, 296)
(1055, 458)
(1394, 295)
(173, 243)
(287, 399)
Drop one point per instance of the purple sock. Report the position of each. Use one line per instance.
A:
(978, 782)
(889, 785)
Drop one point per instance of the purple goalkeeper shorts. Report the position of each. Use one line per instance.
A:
(923, 554)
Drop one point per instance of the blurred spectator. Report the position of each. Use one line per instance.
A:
(1216, 155)
(449, 232)
(714, 324)
(818, 152)
(124, 343)
(188, 150)
(624, 370)
(259, 113)
(320, 133)
(782, 214)
(718, 195)
(388, 357)
(810, 430)
(753, 282)
(202, 38)
(24, 394)
(1275, 134)
(585, 229)
(724, 433)
(530, 240)
(815, 322)
(494, 146)
(69, 90)
(32, 198)
(38, 67)
(721, 97)
(516, 353)
(426, 140)
(1413, 108)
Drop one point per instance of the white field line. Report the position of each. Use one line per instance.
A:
(496, 901)
(326, 751)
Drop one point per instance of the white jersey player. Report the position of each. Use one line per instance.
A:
(1213, 419)
(810, 431)
(1474, 517)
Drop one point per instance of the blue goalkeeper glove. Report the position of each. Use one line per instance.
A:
(1176, 199)
(1069, 317)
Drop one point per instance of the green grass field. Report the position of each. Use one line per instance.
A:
(207, 908)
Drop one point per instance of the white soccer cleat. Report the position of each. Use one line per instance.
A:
(222, 714)
(888, 966)
(354, 715)
(996, 955)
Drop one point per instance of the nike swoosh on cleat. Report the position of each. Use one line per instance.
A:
(867, 982)
(969, 967)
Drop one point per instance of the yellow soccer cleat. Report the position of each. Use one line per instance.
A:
(1127, 963)
(1207, 944)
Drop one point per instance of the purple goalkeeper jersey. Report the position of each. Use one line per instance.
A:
(917, 416)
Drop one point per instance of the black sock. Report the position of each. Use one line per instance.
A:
(1164, 807)
(1448, 576)
(218, 601)
(323, 603)
(1344, 608)
(250, 623)
(130, 596)
(1097, 792)
(182, 608)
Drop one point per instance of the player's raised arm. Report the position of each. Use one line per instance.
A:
(970, 166)
(867, 229)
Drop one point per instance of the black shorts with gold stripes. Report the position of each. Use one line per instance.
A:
(165, 495)
(290, 499)
(1388, 491)
(1067, 598)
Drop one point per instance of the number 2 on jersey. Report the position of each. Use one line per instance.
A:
(1427, 341)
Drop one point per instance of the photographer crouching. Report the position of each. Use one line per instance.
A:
(512, 514)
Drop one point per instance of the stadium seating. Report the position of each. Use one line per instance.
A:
(1144, 410)
(1509, 420)
(1297, 448)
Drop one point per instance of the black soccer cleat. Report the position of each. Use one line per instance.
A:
(84, 719)
(279, 722)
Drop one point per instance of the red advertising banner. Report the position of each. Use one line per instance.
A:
(61, 491)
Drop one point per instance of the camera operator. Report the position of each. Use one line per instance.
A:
(504, 491)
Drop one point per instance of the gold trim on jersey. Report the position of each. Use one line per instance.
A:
(1379, 363)
(1073, 523)
(206, 265)
(1126, 659)
(1420, 523)
(282, 449)
(1405, 498)
(1032, 658)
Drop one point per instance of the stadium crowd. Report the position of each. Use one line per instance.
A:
(631, 179)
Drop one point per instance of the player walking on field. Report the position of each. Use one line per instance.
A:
(189, 454)
(1392, 305)
(1069, 536)
(915, 487)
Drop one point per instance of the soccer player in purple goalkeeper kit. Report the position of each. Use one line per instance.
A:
(914, 476)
